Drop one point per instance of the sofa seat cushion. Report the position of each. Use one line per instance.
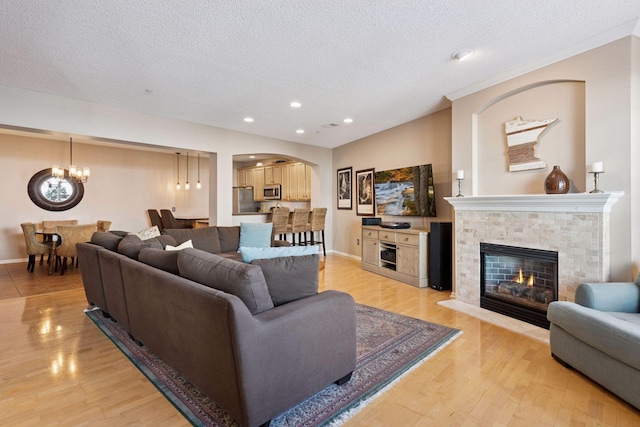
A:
(162, 259)
(616, 335)
(290, 278)
(632, 318)
(204, 238)
(245, 281)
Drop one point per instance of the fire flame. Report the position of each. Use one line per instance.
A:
(520, 279)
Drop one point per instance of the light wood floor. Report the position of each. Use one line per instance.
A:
(57, 368)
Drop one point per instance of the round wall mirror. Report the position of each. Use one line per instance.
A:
(53, 194)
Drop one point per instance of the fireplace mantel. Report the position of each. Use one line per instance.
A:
(573, 202)
(575, 225)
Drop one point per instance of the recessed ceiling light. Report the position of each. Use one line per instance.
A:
(248, 119)
(348, 120)
(295, 104)
(259, 164)
(462, 54)
(300, 131)
(252, 157)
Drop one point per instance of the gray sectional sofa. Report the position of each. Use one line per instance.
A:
(213, 319)
(599, 335)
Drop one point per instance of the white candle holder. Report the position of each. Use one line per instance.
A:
(595, 183)
(460, 187)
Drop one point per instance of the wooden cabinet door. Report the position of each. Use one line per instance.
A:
(408, 260)
(301, 179)
(370, 251)
(248, 176)
(292, 181)
(258, 184)
(277, 174)
(242, 180)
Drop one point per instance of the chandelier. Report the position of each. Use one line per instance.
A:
(78, 173)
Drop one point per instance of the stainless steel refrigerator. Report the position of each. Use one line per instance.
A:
(243, 200)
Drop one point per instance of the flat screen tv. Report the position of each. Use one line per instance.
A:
(406, 191)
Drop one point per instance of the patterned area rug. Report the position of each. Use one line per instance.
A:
(388, 346)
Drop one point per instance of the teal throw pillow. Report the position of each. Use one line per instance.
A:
(255, 235)
(249, 254)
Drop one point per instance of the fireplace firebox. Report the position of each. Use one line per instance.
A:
(518, 282)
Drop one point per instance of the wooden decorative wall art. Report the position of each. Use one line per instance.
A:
(522, 137)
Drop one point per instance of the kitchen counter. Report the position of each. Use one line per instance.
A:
(251, 213)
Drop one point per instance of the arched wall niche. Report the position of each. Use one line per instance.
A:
(562, 143)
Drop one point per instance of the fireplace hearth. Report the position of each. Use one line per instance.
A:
(518, 282)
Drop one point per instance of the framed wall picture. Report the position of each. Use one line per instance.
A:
(345, 200)
(366, 200)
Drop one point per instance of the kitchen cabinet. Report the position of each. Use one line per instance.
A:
(294, 178)
(397, 254)
(273, 174)
(303, 177)
(258, 184)
(245, 177)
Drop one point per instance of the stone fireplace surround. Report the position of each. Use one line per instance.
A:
(574, 225)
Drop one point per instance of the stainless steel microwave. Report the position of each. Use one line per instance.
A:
(272, 192)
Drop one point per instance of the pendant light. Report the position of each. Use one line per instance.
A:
(198, 185)
(178, 162)
(186, 184)
(78, 173)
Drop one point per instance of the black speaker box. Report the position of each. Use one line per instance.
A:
(371, 221)
(440, 241)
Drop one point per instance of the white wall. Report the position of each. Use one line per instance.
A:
(32, 110)
(421, 141)
(124, 183)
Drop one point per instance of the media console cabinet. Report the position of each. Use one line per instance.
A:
(399, 254)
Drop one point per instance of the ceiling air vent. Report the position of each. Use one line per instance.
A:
(330, 125)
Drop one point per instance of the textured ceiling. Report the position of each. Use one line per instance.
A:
(380, 62)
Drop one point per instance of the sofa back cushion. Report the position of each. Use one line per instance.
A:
(131, 245)
(229, 238)
(290, 278)
(242, 280)
(162, 259)
(106, 239)
(204, 238)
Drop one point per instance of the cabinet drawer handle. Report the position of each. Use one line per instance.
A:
(406, 239)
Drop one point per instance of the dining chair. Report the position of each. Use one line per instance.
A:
(70, 235)
(169, 221)
(50, 226)
(155, 219)
(280, 220)
(34, 247)
(299, 225)
(316, 223)
(103, 225)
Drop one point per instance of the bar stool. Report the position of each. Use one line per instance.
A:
(299, 225)
(317, 224)
(280, 220)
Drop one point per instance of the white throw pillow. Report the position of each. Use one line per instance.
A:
(183, 245)
(149, 233)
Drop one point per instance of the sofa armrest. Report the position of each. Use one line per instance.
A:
(292, 351)
(613, 296)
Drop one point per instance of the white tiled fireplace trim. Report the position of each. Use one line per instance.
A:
(574, 225)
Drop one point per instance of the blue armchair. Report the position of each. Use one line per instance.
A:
(599, 335)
